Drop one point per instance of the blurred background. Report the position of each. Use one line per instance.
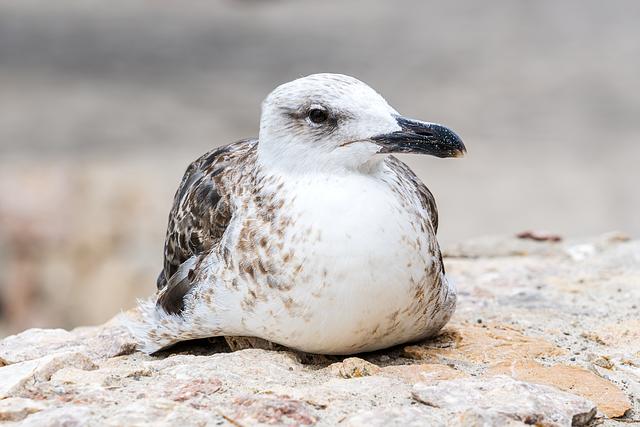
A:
(103, 105)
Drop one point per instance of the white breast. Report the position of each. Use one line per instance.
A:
(365, 258)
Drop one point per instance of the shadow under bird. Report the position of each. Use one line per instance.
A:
(312, 236)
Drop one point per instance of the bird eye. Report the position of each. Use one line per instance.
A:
(318, 115)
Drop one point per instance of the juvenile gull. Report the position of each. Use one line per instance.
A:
(312, 236)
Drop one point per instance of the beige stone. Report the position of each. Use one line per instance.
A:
(15, 377)
(496, 401)
(354, 367)
(511, 313)
(400, 417)
(609, 399)
(33, 344)
(109, 340)
(423, 372)
(481, 344)
(17, 408)
(271, 410)
(624, 335)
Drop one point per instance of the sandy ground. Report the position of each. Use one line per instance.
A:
(102, 105)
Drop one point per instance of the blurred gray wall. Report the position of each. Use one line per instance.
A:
(103, 104)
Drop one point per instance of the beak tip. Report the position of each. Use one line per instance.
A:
(420, 137)
(460, 152)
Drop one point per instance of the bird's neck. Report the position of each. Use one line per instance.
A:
(295, 160)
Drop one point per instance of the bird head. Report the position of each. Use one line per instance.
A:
(333, 122)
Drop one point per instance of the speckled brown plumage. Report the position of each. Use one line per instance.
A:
(226, 178)
(313, 237)
(200, 211)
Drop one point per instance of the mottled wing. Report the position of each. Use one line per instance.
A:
(425, 196)
(199, 216)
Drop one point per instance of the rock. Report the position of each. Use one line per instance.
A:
(35, 343)
(499, 246)
(534, 244)
(270, 410)
(623, 336)
(66, 416)
(592, 336)
(354, 367)
(424, 372)
(469, 343)
(17, 408)
(609, 399)
(537, 318)
(194, 389)
(604, 362)
(109, 340)
(501, 400)
(18, 377)
(406, 416)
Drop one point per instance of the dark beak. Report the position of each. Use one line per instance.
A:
(422, 138)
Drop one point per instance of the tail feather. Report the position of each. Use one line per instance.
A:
(155, 329)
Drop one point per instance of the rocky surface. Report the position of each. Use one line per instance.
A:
(546, 333)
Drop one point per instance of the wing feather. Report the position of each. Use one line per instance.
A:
(423, 192)
(198, 219)
(424, 195)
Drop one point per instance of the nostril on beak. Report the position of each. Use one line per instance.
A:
(423, 132)
(415, 127)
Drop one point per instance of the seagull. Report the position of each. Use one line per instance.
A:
(312, 236)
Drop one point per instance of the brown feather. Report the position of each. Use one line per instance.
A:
(197, 221)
